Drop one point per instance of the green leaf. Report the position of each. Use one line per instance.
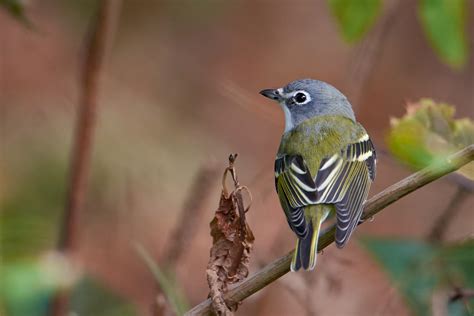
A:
(429, 133)
(23, 291)
(444, 22)
(407, 263)
(27, 286)
(419, 269)
(459, 259)
(461, 307)
(354, 17)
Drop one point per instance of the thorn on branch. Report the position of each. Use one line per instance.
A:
(460, 294)
(232, 241)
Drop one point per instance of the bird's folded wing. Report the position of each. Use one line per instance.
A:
(296, 189)
(344, 180)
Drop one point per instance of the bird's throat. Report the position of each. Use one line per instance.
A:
(288, 119)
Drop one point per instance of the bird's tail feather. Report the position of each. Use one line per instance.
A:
(301, 256)
(306, 250)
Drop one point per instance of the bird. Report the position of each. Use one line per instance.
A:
(324, 165)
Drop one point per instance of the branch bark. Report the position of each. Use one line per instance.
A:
(281, 266)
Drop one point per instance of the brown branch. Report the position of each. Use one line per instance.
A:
(83, 137)
(281, 266)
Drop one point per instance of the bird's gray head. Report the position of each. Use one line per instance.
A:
(307, 98)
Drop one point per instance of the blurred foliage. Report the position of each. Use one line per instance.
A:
(444, 22)
(78, 11)
(355, 17)
(458, 308)
(23, 290)
(29, 221)
(16, 9)
(419, 270)
(202, 12)
(31, 209)
(166, 281)
(27, 286)
(89, 297)
(428, 133)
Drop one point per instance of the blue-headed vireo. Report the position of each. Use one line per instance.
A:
(325, 164)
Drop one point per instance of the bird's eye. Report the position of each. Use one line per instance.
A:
(300, 97)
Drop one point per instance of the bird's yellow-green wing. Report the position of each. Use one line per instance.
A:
(339, 157)
(344, 179)
(296, 189)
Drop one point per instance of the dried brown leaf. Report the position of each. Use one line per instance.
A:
(232, 241)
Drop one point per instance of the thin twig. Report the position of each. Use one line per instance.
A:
(281, 266)
(185, 227)
(439, 228)
(461, 294)
(369, 52)
(165, 302)
(184, 230)
(449, 213)
(82, 149)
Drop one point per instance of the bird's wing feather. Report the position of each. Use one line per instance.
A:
(343, 179)
(296, 189)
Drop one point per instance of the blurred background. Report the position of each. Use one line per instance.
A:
(178, 94)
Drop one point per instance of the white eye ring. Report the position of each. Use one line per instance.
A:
(301, 97)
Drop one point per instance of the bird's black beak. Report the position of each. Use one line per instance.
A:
(271, 94)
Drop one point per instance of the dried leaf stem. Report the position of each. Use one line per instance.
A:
(281, 266)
